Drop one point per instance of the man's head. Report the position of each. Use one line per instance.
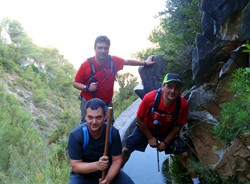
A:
(95, 114)
(102, 39)
(172, 77)
(171, 86)
(102, 44)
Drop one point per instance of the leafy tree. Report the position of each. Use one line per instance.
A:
(174, 37)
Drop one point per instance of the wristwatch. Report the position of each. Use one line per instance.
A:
(166, 144)
(85, 88)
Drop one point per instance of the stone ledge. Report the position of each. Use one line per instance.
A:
(125, 123)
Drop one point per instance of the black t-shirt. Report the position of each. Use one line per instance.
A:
(95, 147)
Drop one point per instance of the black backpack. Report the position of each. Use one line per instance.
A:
(178, 144)
(93, 69)
(157, 102)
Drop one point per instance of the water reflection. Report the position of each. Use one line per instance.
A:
(142, 167)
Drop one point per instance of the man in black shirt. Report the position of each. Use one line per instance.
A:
(88, 162)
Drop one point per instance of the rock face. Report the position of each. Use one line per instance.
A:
(225, 27)
(151, 76)
(218, 53)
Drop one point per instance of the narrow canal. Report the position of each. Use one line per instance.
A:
(142, 167)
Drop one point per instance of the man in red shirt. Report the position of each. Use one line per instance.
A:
(159, 126)
(100, 84)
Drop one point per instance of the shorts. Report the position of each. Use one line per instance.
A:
(138, 141)
(176, 146)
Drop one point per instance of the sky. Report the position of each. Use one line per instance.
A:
(71, 26)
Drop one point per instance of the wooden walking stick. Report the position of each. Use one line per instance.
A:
(106, 146)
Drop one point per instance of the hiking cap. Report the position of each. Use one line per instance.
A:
(172, 77)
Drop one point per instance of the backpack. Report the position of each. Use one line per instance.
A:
(157, 102)
(86, 136)
(178, 144)
(93, 69)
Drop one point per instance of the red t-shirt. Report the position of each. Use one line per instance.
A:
(105, 78)
(166, 126)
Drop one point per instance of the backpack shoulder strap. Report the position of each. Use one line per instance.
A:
(85, 136)
(112, 68)
(157, 100)
(111, 65)
(93, 70)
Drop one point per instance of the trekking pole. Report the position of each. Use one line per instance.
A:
(158, 164)
(107, 138)
(157, 127)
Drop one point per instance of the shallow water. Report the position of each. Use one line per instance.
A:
(142, 167)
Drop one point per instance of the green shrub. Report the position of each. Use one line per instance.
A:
(126, 95)
(208, 175)
(177, 172)
(234, 119)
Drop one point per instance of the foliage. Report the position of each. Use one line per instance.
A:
(22, 149)
(177, 172)
(247, 50)
(125, 96)
(174, 37)
(234, 118)
(208, 175)
(41, 79)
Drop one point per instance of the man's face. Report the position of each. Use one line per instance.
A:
(95, 119)
(171, 90)
(101, 51)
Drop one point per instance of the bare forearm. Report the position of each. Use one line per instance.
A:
(113, 170)
(133, 62)
(78, 85)
(84, 167)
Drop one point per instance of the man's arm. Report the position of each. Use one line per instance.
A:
(78, 166)
(132, 62)
(78, 85)
(175, 131)
(114, 168)
(143, 127)
(92, 86)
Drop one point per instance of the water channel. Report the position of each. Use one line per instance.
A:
(142, 167)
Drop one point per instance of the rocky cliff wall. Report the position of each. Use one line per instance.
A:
(218, 53)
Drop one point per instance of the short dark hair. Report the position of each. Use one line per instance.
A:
(101, 39)
(94, 104)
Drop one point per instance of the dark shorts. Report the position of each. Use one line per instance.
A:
(121, 178)
(138, 141)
